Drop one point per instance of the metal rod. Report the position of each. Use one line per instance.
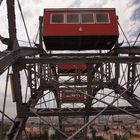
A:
(7, 116)
(127, 112)
(4, 102)
(136, 39)
(50, 124)
(124, 34)
(24, 23)
(89, 122)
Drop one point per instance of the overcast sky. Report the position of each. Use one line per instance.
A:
(128, 12)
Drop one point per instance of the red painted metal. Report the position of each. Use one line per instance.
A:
(73, 29)
(80, 36)
(71, 68)
(71, 97)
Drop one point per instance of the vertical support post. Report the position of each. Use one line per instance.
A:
(89, 92)
(86, 119)
(89, 85)
(102, 72)
(42, 68)
(117, 71)
(40, 32)
(131, 76)
(32, 79)
(17, 88)
(11, 23)
(60, 127)
(117, 68)
(16, 72)
(108, 72)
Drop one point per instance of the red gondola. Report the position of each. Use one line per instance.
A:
(80, 29)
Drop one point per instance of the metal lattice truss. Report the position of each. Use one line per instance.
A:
(111, 77)
(107, 76)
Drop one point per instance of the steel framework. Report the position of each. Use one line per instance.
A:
(114, 74)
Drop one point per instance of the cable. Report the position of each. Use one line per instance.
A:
(4, 103)
(36, 35)
(25, 41)
(7, 116)
(136, 39)
(133, 42)
(24, 23)
(124, 34)
(127, 39)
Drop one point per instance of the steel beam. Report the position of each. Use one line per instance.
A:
(16, 129)
(128, 96)
(127, 50)
(28, 51)
(80, 60)
(89, 86)
(7, 58)
(122, 50)
(131, 76)
(79, 111)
